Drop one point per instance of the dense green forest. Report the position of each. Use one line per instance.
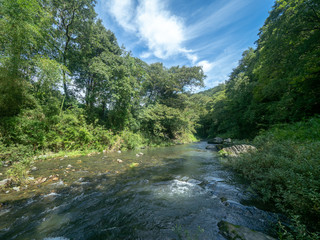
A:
(66, 85)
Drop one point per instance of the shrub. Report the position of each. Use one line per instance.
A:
(286, 169)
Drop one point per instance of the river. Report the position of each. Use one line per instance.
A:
(178, 192)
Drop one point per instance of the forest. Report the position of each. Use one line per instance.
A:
(67, 86)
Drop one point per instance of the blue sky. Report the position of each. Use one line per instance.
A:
(208, 33)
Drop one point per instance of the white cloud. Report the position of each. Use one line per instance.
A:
(123, 12)
(206, 66)
(163, 32)
(145, 55)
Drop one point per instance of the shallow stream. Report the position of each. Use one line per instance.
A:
(178, 192)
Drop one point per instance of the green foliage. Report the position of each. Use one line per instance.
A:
(166, 122)
(278, 81)
(285, 170)
(131, 140)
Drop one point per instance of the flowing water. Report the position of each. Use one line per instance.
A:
(178, 192)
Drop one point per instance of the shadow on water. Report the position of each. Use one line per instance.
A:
(186, 191)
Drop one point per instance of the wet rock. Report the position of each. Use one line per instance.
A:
(119, 151)
(139, 154)
(236, 150)
(235, 232)
(228, 140)
(211, 147)
(185, 178)
(216, 140)
(133, 165)
(5, 182)
(16, 189)
(119, 161)
(34, 169)
(40, 180)
(69, 166)
(194, 181)
(104, 151)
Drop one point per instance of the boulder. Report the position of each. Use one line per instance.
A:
(235, 232)
(236, 150)
(211, 147)
(216, 140)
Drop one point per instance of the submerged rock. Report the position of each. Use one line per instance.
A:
(235, 232)
(211, 147)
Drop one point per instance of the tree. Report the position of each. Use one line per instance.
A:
(22, 36)
(72, 19)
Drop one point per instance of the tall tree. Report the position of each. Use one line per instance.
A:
(72, 18)
(22, 37)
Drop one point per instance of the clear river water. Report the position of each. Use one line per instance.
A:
(178, 192)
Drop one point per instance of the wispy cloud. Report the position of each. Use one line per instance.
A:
(217, 16)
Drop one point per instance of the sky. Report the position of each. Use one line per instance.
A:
(208, 33)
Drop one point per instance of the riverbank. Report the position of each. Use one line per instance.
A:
(17, 176)
(285, 171)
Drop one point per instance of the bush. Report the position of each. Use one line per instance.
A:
(131, 140)
(286, 169)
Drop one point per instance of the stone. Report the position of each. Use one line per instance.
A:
(55, 179)
(211, 147)
(228, 140)
(104, 151)
(235, 232)
(216, 140)
(40, 180)
(4, 182)
(34, 169)
(69, 166)
(133, 165)
(119, 161)
(236, 150)
(16, 189)
(119, 151)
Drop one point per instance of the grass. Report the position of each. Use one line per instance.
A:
(286, 172)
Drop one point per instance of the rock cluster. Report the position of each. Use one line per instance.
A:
(236, 150)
